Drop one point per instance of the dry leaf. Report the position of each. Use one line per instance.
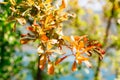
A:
(49, 46)
(81, 44)
(48, 1)
(50, 68)
(79, 59)
(74, 66)
(60, 60)
(62, 5)
(24, 41)
(42, 61)
(30, 28)
(22, 21)
(44, 37)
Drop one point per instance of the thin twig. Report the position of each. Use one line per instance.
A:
(96, 76)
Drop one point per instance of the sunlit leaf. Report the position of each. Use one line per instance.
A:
(22, 21)
(49, 46)
(40, 49)
(67, 38)
(42, 61)
(50, 68)
(44, 37)
(24, 41)
(31, 2)
(81, 44)
(60, 60)
(48, 1)
(13, 2)
(80, 59)
(74, 66)
(63, 5)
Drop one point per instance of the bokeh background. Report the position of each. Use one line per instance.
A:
(99, 19)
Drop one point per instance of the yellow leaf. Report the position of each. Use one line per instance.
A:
(49, 46)
(13, 2)
(50, 68)
(67, 38)
(79, 59)
(48, 1)
(31, 2)
(74, 66)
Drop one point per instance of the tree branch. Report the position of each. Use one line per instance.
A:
(96, 76)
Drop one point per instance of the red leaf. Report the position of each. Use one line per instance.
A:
(30, 28)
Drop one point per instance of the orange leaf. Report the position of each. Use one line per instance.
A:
(60, 60)
(44, 37)
(24, 41)
(42, 61)
(77, 38)
(81, 44)
(50, 68)
(80, 59)
(62, 5)
(74, 66)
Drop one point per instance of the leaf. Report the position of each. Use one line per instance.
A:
(50, 68)
(67, 38)
(31, 2)
(22, 21)
(48, 1)
(81, 44)
(49, 46)
(74, 66)
(13, 2)
(60, 60)
(44, 37)
(40, 49)
(62, 5)
(42, 61)
(79, 59)
(24, 41)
